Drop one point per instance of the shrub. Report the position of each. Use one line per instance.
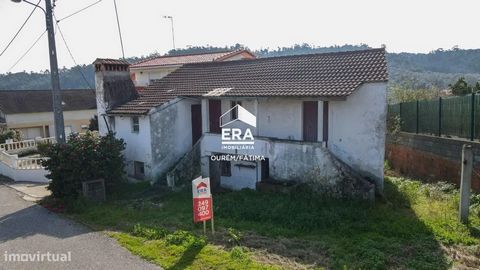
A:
(9, 134)
(83, 158)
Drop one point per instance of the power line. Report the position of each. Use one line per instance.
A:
(71, 55)
(80, 10)
(19, 30)
(119, 31)
(29, 49)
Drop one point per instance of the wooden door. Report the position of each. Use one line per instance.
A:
(214, 112)
(310, 121)
(196, 111)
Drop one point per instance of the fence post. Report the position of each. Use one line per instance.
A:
(472, 118)
(465, 184)
(440, 117)
(417, 124)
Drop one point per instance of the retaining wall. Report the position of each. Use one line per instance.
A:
(430, 158)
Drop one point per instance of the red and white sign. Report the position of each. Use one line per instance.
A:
(202, 200)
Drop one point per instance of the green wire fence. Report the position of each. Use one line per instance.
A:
(450, 116)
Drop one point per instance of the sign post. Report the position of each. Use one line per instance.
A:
(202, 202)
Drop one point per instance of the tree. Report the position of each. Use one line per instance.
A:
(461, 87)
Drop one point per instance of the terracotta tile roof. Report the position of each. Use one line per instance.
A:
(32, 101)
(313, 75)
(187, 59)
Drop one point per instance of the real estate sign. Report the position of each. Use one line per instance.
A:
(202, 200)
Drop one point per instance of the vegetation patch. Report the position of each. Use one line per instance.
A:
(414, 227)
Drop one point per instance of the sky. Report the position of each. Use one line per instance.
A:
(403, 26)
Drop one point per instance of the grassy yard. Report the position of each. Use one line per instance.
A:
(414, 227)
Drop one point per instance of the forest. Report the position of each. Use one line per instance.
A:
(434, 70)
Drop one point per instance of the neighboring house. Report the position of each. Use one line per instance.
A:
(310, 113)
(156, 68)
(30, 111)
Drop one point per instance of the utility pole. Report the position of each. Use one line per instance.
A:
(173, 31)
(56, 92)
(52, 52)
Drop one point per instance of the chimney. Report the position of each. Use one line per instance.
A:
(113, 87)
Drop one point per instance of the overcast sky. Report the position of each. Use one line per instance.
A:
(402, 25)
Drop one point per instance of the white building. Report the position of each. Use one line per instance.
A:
(31, 111)
(317, 117)
(145, 71)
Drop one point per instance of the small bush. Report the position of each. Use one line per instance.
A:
(184, 238)
(149, 233)
(234, 236)
(83, 158)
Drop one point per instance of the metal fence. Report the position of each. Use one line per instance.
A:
(450, 117)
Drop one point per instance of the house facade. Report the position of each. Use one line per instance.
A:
(30, 111)
(310, 118)
(145, 71)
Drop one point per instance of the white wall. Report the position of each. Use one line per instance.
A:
(144, 76)
(138, 145)
(357, 129)
(37, 176)
(280, 118)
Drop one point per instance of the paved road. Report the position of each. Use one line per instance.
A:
(26, 228)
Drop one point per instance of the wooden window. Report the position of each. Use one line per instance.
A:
(310, 121)
(226, 168)
(135, 124)
(214, 112)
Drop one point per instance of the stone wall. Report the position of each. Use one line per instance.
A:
(430, 158)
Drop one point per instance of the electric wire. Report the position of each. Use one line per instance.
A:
(80, 10)
(71, 55)
(119, 30)
(19, 30)
(29, 49)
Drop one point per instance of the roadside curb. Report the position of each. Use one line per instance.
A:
(26, 196)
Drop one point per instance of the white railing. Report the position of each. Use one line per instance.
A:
(25, 163)
(24, 145)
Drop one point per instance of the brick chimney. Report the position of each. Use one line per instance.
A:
(113, 87)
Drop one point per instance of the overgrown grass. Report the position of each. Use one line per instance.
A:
(405, 230)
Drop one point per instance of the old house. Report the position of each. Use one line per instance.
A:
(145, 71)
(31, 112)
(280, 118)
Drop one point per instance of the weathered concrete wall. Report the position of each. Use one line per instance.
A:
(303, 162)
(430, 158)
(138, 146)
(112, 88)
(357, 130)
(171, 134)
(187, 169)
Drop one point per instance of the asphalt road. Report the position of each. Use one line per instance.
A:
(28, 231)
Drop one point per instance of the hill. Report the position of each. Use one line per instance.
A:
(436, 69)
